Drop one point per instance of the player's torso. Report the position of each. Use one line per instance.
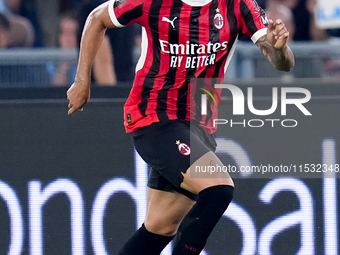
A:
(181, 41)
(185, 39)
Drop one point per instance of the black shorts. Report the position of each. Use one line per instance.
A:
(169, 148)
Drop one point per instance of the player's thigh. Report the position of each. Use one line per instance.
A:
(165, 211)
(207, 171)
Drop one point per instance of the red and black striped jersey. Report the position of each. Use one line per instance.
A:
(186, 48)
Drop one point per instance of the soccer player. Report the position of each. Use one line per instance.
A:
(184, 41)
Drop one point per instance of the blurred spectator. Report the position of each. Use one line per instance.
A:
(4, 31)
(64, 73)
(48, 13)
(17, 32)
(21, 33)
(24, 8)
(67, 31)
(275, 11)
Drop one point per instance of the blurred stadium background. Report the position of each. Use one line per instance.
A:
(74, 185)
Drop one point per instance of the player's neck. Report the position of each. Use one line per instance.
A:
(196, 2)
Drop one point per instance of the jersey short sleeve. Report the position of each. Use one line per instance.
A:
(125, 12)
(254, 19)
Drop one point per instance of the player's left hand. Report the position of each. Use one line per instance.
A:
(277, 34)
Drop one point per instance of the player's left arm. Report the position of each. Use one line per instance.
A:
(274, 46)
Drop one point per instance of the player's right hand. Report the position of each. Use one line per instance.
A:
(78, 95)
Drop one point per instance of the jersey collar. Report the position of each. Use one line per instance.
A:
(196, 2)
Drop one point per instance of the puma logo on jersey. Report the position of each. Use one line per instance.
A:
(169, 21)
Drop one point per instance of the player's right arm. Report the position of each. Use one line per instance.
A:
(96, 24)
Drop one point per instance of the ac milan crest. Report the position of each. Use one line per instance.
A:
(183, 148)
(218, 19)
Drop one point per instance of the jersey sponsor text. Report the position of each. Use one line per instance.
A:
(196, 53)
